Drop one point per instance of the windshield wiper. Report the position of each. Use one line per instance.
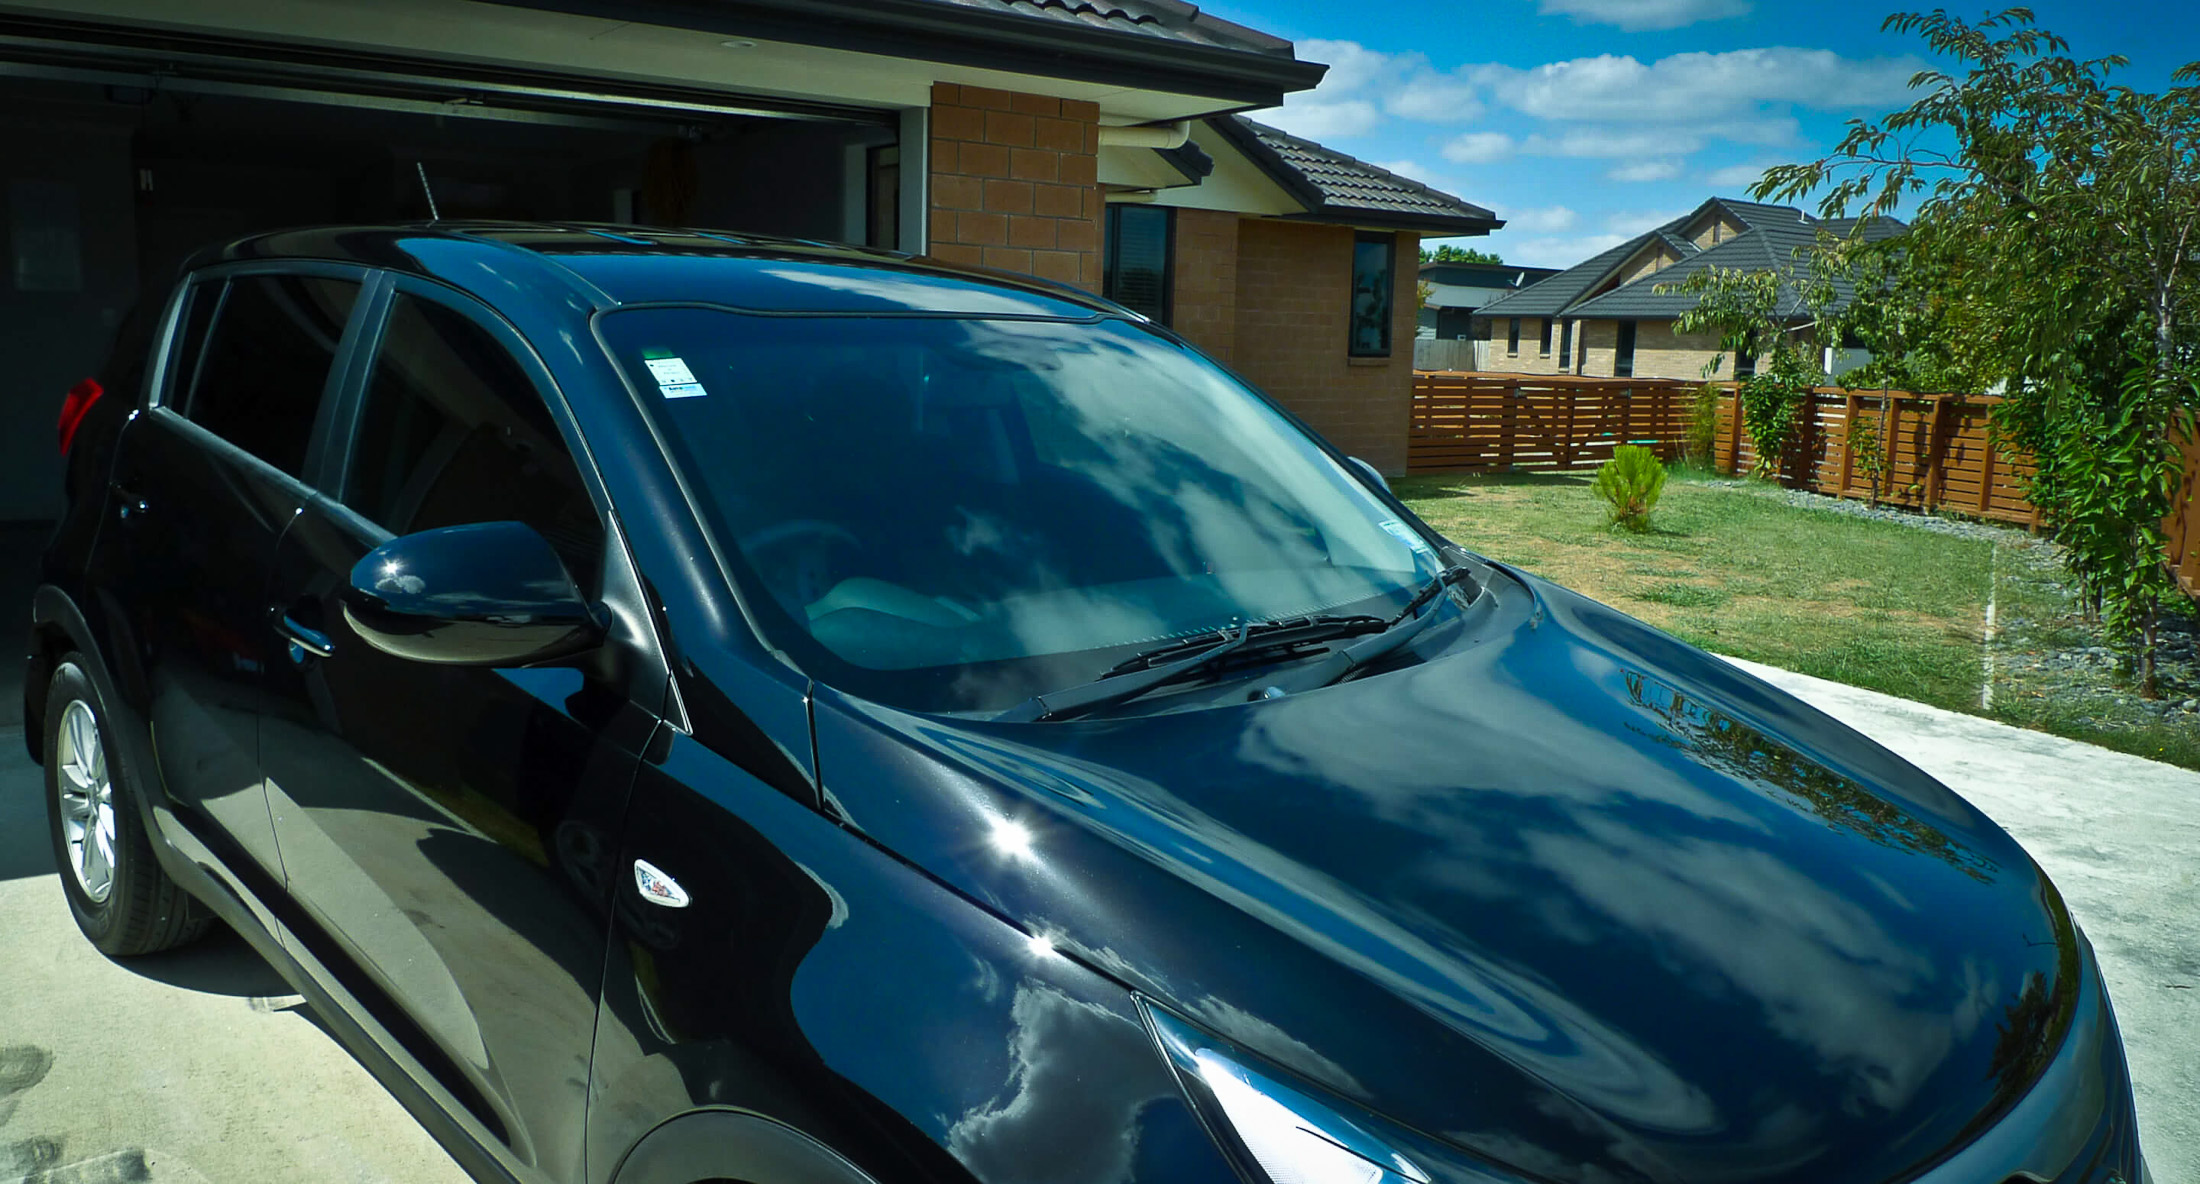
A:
(1175, 660)
(1401, 629)
(1153, 668)
(1288, 631)
(1114, 687)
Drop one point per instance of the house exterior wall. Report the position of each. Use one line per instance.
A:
(1596, 343)
(1712, 231)
(1530, 359)
(1657, 258)
(1204, 305)
(1659, 351)
(1662, 353)
(1293, 305)
(1015, 183)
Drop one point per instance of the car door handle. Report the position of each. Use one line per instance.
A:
(128, 505)
(310, 641)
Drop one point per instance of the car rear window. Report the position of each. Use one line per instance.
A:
(266, 365)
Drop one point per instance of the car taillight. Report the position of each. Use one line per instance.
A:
(75, 406)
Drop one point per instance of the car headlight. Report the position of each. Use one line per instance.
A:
(1276, 1132)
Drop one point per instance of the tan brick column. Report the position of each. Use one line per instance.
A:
(1015, 183)
(1204, 306)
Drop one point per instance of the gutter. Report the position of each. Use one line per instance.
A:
(963, 35)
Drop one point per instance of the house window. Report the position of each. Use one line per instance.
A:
(1581, 351)
(1623, 354)
(1374, 262)
(1137, 269)
(1512, 335)
(1745, 364)
(1543, 347)
(1454, 323)
(1565, 343)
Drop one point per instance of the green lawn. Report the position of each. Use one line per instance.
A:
(1737, 570)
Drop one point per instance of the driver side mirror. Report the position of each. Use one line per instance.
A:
(489, 594)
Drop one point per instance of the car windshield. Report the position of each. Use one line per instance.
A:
(951, 513)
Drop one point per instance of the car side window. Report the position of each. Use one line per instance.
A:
(200, 301)
(267, 362)
(453, 432)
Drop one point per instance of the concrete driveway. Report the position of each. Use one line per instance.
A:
(2120, 836)
(197, 1066)
(200, 1065)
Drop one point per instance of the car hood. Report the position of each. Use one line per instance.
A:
(1566, 894)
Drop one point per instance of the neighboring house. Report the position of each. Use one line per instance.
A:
(1451, 336)
(996, 132)
(1605, 318)
(1457, 291)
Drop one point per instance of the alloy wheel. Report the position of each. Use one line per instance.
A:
(87, 798)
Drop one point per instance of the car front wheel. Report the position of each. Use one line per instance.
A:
(121, 898)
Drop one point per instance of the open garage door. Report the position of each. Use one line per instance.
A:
(121, 154)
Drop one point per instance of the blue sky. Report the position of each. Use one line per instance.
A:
(1584, 122)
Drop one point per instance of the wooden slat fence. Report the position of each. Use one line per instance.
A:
(2184, 520)
(1936, 449)
(1483, 423)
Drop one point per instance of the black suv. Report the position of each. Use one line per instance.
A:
(689, 707)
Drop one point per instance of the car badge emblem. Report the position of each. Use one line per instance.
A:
(657, 887)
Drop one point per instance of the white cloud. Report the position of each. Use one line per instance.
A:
(1542, 219)
(1434, 98)
(1646, 170)
(1646, 14)
(1323, 121)
(1628, 223)
(1737, 176)
(1554, 252)
(1699, 88)
(1607, 142)
(1364, 84)
(1479, 148)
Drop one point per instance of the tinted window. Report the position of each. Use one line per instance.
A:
(958, 513)
(1372, 259)
(1137, 273)
(260, 383)
(453, 432)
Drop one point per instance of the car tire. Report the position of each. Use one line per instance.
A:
(121, 897)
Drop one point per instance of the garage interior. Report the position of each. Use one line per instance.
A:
(113, 178)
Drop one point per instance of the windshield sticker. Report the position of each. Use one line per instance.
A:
(670, 371)
(1406, 535)
(681, 390)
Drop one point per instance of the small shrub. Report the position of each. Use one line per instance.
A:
(1701, 443)
(1629, 485)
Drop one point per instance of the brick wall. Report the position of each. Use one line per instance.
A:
(1294, 282)
(1662, 353)
(1530, 359)
(1015, 183)
(1204, 305)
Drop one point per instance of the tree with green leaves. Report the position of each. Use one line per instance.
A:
(2052, 255)
(1447, 253)
(1783, 319)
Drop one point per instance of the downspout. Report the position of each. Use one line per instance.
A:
(1162, 136)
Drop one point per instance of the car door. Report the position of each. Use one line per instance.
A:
(445, 827)
(204, 483)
